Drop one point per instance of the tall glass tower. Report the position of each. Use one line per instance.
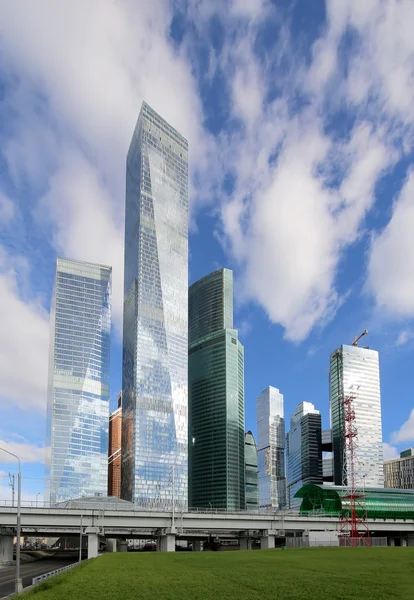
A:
(155, 339)
(78, 391)
(216, 396)
(303, 451)
(355, 370)
(251, 472)
(271, 449)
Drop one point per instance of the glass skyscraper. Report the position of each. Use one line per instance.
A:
(78, 390)
(155, 338)
(251, 472)
(271, 449)
(216, 396)
(303, 451)
(355, 370)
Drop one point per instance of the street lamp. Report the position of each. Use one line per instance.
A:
(38, 494)
(18, 581)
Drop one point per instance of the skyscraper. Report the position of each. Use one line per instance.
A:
(78, 390)
(216, 396)
(303, 451)
(355, 371)
(114, 450)
(399, 472)
(251, 472)
(271, 449)
(155, 339)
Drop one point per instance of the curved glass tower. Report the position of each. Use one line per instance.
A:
(271, 449)
(216, 396)
(251, 472)
(155, 338)
(78, 391)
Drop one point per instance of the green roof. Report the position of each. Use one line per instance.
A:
(381, 503)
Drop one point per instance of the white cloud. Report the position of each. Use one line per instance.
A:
(403, 337)
(27, 452)
(390, 451)
(24, 335)
(406, 431)
(6, 209)
(391, 261)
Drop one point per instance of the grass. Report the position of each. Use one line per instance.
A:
(294, 574)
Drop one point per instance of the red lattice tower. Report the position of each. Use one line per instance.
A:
(354, 529)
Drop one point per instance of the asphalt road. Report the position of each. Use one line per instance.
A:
(28, 571)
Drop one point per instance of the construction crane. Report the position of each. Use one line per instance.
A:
(356, 339)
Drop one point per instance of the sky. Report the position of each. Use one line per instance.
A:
(300, 122)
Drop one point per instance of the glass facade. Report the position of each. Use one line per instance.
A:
(380, 503)
(251, 472)
(78, 390)
(271, 449)
(355, 370)
(399, 473)
(216, 396)
(303, 451)
(155, 337)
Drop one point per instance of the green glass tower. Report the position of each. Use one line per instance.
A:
(215, 397)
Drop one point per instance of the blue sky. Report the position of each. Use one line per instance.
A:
(300, 121)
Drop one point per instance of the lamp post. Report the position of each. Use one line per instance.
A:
(18, 581)
(37, 495)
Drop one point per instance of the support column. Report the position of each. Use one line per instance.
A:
(267, 539)
(197, 545)
(403, 542)
(93, 541)
(6, 545)
(111, 545)
(391, 541)
(245, 543)
(122, 546)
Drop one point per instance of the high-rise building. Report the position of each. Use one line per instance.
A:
(114, 450)
(251, 473)
(271, 449)
(78, 390)
(303, 451)
(327, 457)
(155, 338)
(355, 371)
(399, 472)
(216, 396)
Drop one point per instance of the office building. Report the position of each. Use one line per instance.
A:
(216, 396)
(327, 457)
(114, 450)
(399, 472)
(355, 371)
(251, 473)
(303, 451)
(271, 449)
(155, 338)
(78, 390)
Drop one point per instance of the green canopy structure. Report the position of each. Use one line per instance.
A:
(381, 503)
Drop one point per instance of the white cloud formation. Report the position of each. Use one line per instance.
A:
(27, 452)
(403, 337)
(6, 209)
(24, 335)
(391, 262)
(406, 431)
(390, 451)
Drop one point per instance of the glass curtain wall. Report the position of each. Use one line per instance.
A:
(78, 391)
(155, 337)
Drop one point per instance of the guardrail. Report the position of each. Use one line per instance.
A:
(41, 578)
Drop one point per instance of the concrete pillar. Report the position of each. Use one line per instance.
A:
(93, 541)
(167, 542)
(111, 545)
(392, 542)
(122, 546)
(245, 543)
(267, 540)
(6, 548)
(197, 546)
(403, 542)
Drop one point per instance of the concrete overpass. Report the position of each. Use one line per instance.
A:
(134, 523)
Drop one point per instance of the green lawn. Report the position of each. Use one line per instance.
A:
(320, 573)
